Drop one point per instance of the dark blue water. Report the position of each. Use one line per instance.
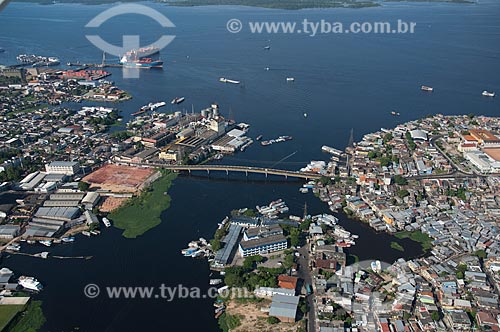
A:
(342, 82)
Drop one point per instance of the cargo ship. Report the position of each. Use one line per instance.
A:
(426, 88)
(141, 63)
(488, 94)
(142, 52)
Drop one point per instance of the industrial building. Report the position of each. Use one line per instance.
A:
(284, 307)
(63, 167)
(223, 255)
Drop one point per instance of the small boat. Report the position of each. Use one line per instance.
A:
(426, 88)
(376, 266)
(290, 79)
(304, 190)
(305, 115)
(95, 232)
(177, 100)
(31, 241)
(68, 239)
(218, 156)
(217, 315)
(86, 233)
(267, 68)
(214, 282)
(43, 255)
(13, 247)
(106, 222)
(267, 48)
(30, 283)
(46, 243)
(258, 138)
(395, 113)
(488, 94)
(226, 80)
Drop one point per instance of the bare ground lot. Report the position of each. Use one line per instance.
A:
(253, 319)
(119, 179)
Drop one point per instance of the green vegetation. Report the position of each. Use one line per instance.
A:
(272, 320)
(325, 181)
(245, 276)
(7, 313)
(460, 193)
(229, 322)
(435, 316)
(461, 268)
(83, 186)
(121, 135)
(403, 193)
(143, 212)
(250, 213)
(30, 320)
(481, 254)
(411, 143)
(400, 180)
(417, 236)
(397, 246)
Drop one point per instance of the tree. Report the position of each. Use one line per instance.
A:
(83, 186)
(481, 254)
(435, 316)
(400, 180)
(403, 193)
(216, 245)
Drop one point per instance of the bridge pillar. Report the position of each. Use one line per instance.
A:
(266, 175)
(246, 173)
(286, 176)
(227, 172)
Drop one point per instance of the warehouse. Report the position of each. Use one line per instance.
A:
(284, 307)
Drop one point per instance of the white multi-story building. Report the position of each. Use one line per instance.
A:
(63, 167)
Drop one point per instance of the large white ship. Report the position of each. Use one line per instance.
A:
(30, 283)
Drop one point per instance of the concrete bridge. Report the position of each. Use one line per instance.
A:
(232, 168)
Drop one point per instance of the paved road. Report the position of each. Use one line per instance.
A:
(305, 274)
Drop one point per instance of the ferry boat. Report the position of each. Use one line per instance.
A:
(290, 79)
(106, 222)
(30, 283)
(226, 80)
(177, 100)
(426, 88)
(488, 94)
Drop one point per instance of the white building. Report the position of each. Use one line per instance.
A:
(63, 167)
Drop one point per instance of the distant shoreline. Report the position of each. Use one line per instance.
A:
(287, 5)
